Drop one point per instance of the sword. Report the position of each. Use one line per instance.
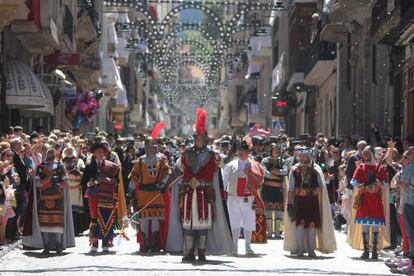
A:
(151, 201)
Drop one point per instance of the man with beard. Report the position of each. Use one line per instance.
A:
(309, 217)
(49, 223)
(199, 196)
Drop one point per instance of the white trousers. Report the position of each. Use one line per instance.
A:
(241, 213)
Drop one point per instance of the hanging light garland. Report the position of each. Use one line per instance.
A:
(159, 43)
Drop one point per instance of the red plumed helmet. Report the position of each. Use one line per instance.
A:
(201, 118)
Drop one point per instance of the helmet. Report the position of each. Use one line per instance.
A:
(150, 142)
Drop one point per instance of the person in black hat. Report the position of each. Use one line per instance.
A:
(103, 183)
(273, 188)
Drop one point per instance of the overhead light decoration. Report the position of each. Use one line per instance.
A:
(161, 43)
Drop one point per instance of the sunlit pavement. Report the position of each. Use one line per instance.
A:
(269, 259)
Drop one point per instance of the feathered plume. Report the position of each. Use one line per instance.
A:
(201, 118)
(157, 129)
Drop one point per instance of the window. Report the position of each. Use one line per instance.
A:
(68, 23)
(275, 53)
(239, 91)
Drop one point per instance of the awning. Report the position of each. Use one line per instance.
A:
(120, 48)
(254, 44)
(121, 98)
(25, 90)
(265, 41)
(45, 111)
(110, 74)
(253, 69)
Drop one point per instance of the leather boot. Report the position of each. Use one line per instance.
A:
(155, 242)
(189, 257)
(189, 242)
(143, 248)
(202, 248)
(365, 240)
(374, 254)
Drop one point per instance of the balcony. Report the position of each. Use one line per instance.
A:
(407, 19)
(11, 10)
(320, 62)
(37, 32)
(346, 11)
(41, 41)
(385, 24)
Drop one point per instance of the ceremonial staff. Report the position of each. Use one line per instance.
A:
(151, 201)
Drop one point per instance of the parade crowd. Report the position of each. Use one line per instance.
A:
(198, 195)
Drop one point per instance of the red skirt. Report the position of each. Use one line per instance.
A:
(371, 211)
(259, 236)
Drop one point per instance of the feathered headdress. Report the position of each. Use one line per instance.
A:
(156, 130)
(200, 123)
(246, 143)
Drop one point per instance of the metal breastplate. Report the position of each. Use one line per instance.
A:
(196, 159)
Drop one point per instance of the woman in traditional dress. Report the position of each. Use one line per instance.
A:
(371, 192)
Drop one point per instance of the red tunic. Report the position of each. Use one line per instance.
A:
(371, 211)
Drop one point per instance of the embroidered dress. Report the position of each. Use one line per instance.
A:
(103, 203)
(51, 208)
(371, 211)
(272, 189)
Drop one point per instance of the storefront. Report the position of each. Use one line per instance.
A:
(28, 99)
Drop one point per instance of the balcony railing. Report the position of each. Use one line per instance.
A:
(320, 50)
(407, 13)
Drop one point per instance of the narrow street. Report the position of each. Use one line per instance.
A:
(270, 259)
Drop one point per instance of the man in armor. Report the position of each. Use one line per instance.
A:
(106, 198)
(202, 209)
(273, 188)
(308, 209)
(147, 180)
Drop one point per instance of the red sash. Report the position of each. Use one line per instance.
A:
(241, 187)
